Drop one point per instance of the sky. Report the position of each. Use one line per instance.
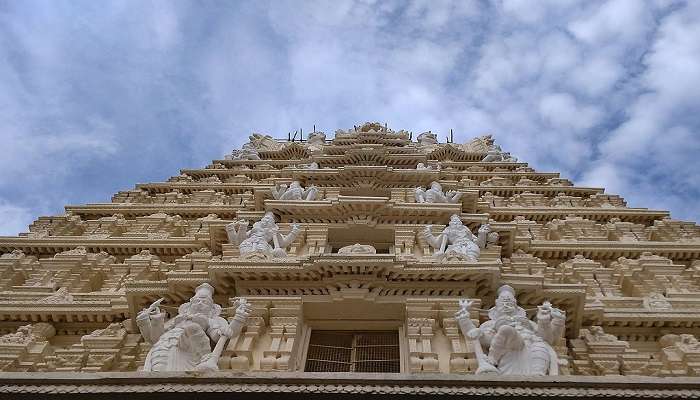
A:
(96, 96)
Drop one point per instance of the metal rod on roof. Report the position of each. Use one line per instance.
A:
(452, 138)
(301, 135)
(314, 127)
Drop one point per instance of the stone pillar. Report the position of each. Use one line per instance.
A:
(284, 317)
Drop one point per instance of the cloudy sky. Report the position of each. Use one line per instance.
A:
(96, 96)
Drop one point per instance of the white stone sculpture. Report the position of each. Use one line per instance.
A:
(262, 142)
(436, 195)
(294, 192)
(313, 165)
(316, 141)
(357, 249)
(516, 345)
(256, 241)
(422, 167)
(247, 152)
(494, 154)
(183, 342)
(427, 139)
(457, 242)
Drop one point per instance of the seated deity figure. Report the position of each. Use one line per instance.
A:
(184, 342)
(436, 195)
(457, 242)
(294, 192)
(516, 345)
(257, 239)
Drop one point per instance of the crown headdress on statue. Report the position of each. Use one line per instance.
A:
(506, 289)
(204, 289)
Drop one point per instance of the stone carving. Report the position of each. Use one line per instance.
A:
(357, 249)
(294, 192)
(183, 342)
(38, 332)
(13, 254)
(256, 241)
(262, 142)
(457, 242)
(61, 296)
(247, 152)
(481, 144)
(496, 155)
(684, 341)
(657, 301)
(596, 334)
(316, 141)
(78, 251)
(436, 195)
(427, 139)
(422, 167)
(516, 345)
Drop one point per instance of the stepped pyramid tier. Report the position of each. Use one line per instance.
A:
(372, 252)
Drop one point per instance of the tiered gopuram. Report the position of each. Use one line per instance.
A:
(373, 262)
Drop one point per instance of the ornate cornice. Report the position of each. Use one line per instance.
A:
(359, 384)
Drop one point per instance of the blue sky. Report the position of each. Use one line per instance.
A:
(96, 96)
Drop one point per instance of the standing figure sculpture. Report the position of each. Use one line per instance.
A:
(257, 239)
(183, 343)
(436, 195)
(457, 242)
(294, 192)
(516, 345)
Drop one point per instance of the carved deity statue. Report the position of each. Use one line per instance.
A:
(183, 343)
(457, 242)
(257, 239)
(294, 192)
(516, 345)
(436, 195)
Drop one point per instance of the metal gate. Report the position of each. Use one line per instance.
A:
(352, 351)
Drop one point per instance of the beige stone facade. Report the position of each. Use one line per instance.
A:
(628, 279)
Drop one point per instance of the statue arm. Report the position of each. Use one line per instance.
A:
(285, 241)
(217, 328)
(310, 193)
(483, 235)
(151, 325)
(420, 195)
(453, 197)
(278, 191)
(436, 242)
(551, 323)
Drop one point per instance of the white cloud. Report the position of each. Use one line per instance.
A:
(13, 218)
(597, 90)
